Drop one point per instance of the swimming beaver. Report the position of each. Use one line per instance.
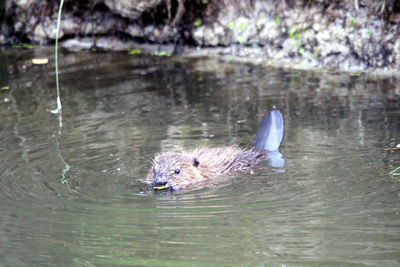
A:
(193, 169)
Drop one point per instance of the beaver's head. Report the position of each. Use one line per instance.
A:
(173, 171)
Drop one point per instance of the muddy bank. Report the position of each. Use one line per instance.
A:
(345, 35)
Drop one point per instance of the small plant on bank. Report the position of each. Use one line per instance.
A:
(197, 23)
(134, 51)
(353, 23)
(163, 54)
(394, 172)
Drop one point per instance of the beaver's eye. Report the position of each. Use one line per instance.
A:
(196, 162)
(177, 171)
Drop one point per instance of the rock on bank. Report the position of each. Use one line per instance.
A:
(347, 35)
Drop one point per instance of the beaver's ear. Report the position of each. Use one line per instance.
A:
(196, 162)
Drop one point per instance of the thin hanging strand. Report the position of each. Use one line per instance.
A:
(58, 109)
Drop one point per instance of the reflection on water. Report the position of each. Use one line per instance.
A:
(333, 203)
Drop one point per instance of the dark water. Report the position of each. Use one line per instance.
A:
(332, 204)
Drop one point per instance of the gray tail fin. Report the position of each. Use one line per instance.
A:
(270, 131)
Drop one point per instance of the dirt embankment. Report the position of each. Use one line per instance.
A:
(347, 35)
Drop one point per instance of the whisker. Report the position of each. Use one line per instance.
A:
(145, 182)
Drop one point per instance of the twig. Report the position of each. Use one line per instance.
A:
(58, 109)
(383, 6)
(391, 148)
(67, 167)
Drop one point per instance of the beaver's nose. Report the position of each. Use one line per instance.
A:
(160, 180)
(157, 183)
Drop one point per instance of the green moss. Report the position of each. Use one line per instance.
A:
(197, 23)
(315, 52)
(163, 54)
(23, 45)
(135, 52)
(353, 23)
(355, 74)
(292, 33)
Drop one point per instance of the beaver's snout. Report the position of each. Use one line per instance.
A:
(160, 183)
(159, 178)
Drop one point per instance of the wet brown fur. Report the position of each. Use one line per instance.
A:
(201, 165)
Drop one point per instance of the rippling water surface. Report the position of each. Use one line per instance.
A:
(71, 196)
